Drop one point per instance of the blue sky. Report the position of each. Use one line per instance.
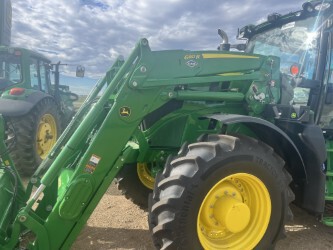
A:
(95, 32)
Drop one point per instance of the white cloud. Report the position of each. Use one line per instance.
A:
(95, 32)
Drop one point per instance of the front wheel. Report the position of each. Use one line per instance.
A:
(224, 193)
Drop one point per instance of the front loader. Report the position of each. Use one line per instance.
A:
(227, 140)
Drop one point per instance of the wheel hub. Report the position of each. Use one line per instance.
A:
(234, 214)
(46, 135)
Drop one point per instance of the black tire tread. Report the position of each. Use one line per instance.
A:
(23, 151)
(129, 184)
(215, 146)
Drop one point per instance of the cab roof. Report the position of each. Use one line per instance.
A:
(311, 8)
(24, 51)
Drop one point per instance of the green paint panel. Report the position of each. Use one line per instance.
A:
(75, 198)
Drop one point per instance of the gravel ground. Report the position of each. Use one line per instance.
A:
(118, 224)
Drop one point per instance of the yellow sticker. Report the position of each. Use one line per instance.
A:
(227, 56)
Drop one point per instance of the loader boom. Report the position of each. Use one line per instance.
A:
(99, 140)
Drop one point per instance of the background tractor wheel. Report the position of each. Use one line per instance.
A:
(34, 136)
(224, 193)
(136, 183)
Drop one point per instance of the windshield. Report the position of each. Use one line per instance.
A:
(10, 70)
(296, 44)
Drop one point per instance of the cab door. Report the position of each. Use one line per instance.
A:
(39, 75)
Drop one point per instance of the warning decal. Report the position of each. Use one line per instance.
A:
(92, 164)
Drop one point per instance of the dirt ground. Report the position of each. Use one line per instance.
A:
(118, 224)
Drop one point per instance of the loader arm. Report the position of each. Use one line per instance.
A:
(94, 147)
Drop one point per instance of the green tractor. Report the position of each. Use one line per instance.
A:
(226, 139)
(35, 110)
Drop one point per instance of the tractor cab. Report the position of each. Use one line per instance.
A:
(296, 44)
(25, 73)
(21, 68)
(302, 41)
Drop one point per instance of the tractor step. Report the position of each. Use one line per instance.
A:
(328, 198)
(328, 221)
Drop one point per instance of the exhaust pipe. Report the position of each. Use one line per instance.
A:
(225, 45)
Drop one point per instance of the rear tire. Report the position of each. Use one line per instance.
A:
(199, 196)
(34, 136)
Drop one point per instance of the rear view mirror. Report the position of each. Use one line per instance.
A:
(80, 71)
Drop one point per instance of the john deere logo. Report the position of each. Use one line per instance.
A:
(191, 63)
(293, 115)
(125, 111)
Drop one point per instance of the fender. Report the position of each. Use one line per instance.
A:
(272, 136)
(304, 163)
(12, 108)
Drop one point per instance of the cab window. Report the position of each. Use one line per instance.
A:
(10, 70)
(34, 77)
(39, 77)
(43, 77)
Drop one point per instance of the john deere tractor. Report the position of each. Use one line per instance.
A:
(226, 139)
(35, 110)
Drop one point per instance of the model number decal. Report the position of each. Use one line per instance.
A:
(188, 57)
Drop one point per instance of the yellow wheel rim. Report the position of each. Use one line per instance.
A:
(46, 135)
(145, 176)
(234, 214)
